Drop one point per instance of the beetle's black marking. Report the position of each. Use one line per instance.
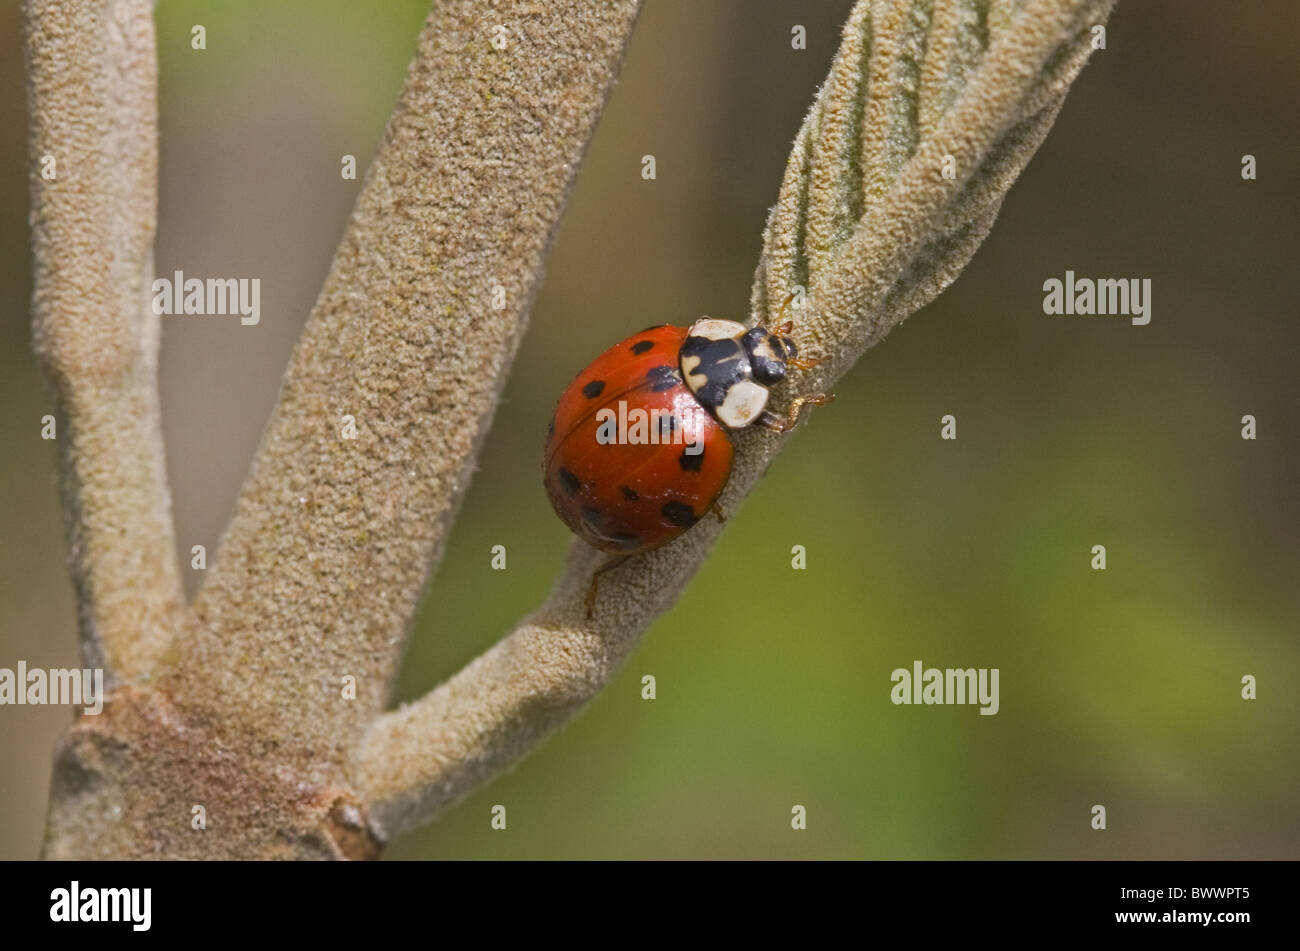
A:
(592, 516)
(768, 372)
(679, 514)
(725, 361)
(652, 327)
(689, 461)
(662, 378)
(711, 395)
(713, 367)
(630, 494)
(593, 389)
(569, 480)
(641, 346)
(627, 541)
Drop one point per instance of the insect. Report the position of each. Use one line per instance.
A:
(638, 450)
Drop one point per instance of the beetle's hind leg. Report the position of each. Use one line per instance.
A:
(783, 424)
(612, 562)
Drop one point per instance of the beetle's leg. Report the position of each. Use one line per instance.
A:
(783, 424)
(717, 510)
(612, 562)
(799, 363)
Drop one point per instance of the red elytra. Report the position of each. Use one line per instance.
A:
(668, 460)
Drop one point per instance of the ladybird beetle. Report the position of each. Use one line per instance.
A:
(638, 449)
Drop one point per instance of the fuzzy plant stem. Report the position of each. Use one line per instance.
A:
(93, 136)
(931, 110)
(242, 744)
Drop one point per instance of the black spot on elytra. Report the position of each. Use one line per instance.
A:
(627, 541)
(691, 462)
(641, 346)
(662, 378)
(629, 494)
(569, 481)
(679, 514)
(668, 426)
(593, 389)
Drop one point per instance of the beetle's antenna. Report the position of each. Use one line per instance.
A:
(784, 328)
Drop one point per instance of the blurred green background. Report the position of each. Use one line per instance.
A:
(1119, 687)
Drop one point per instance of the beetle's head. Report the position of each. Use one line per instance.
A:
(769, 353)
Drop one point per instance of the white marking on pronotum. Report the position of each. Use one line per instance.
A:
(745, 401)
(711, 329)
(764, 349)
